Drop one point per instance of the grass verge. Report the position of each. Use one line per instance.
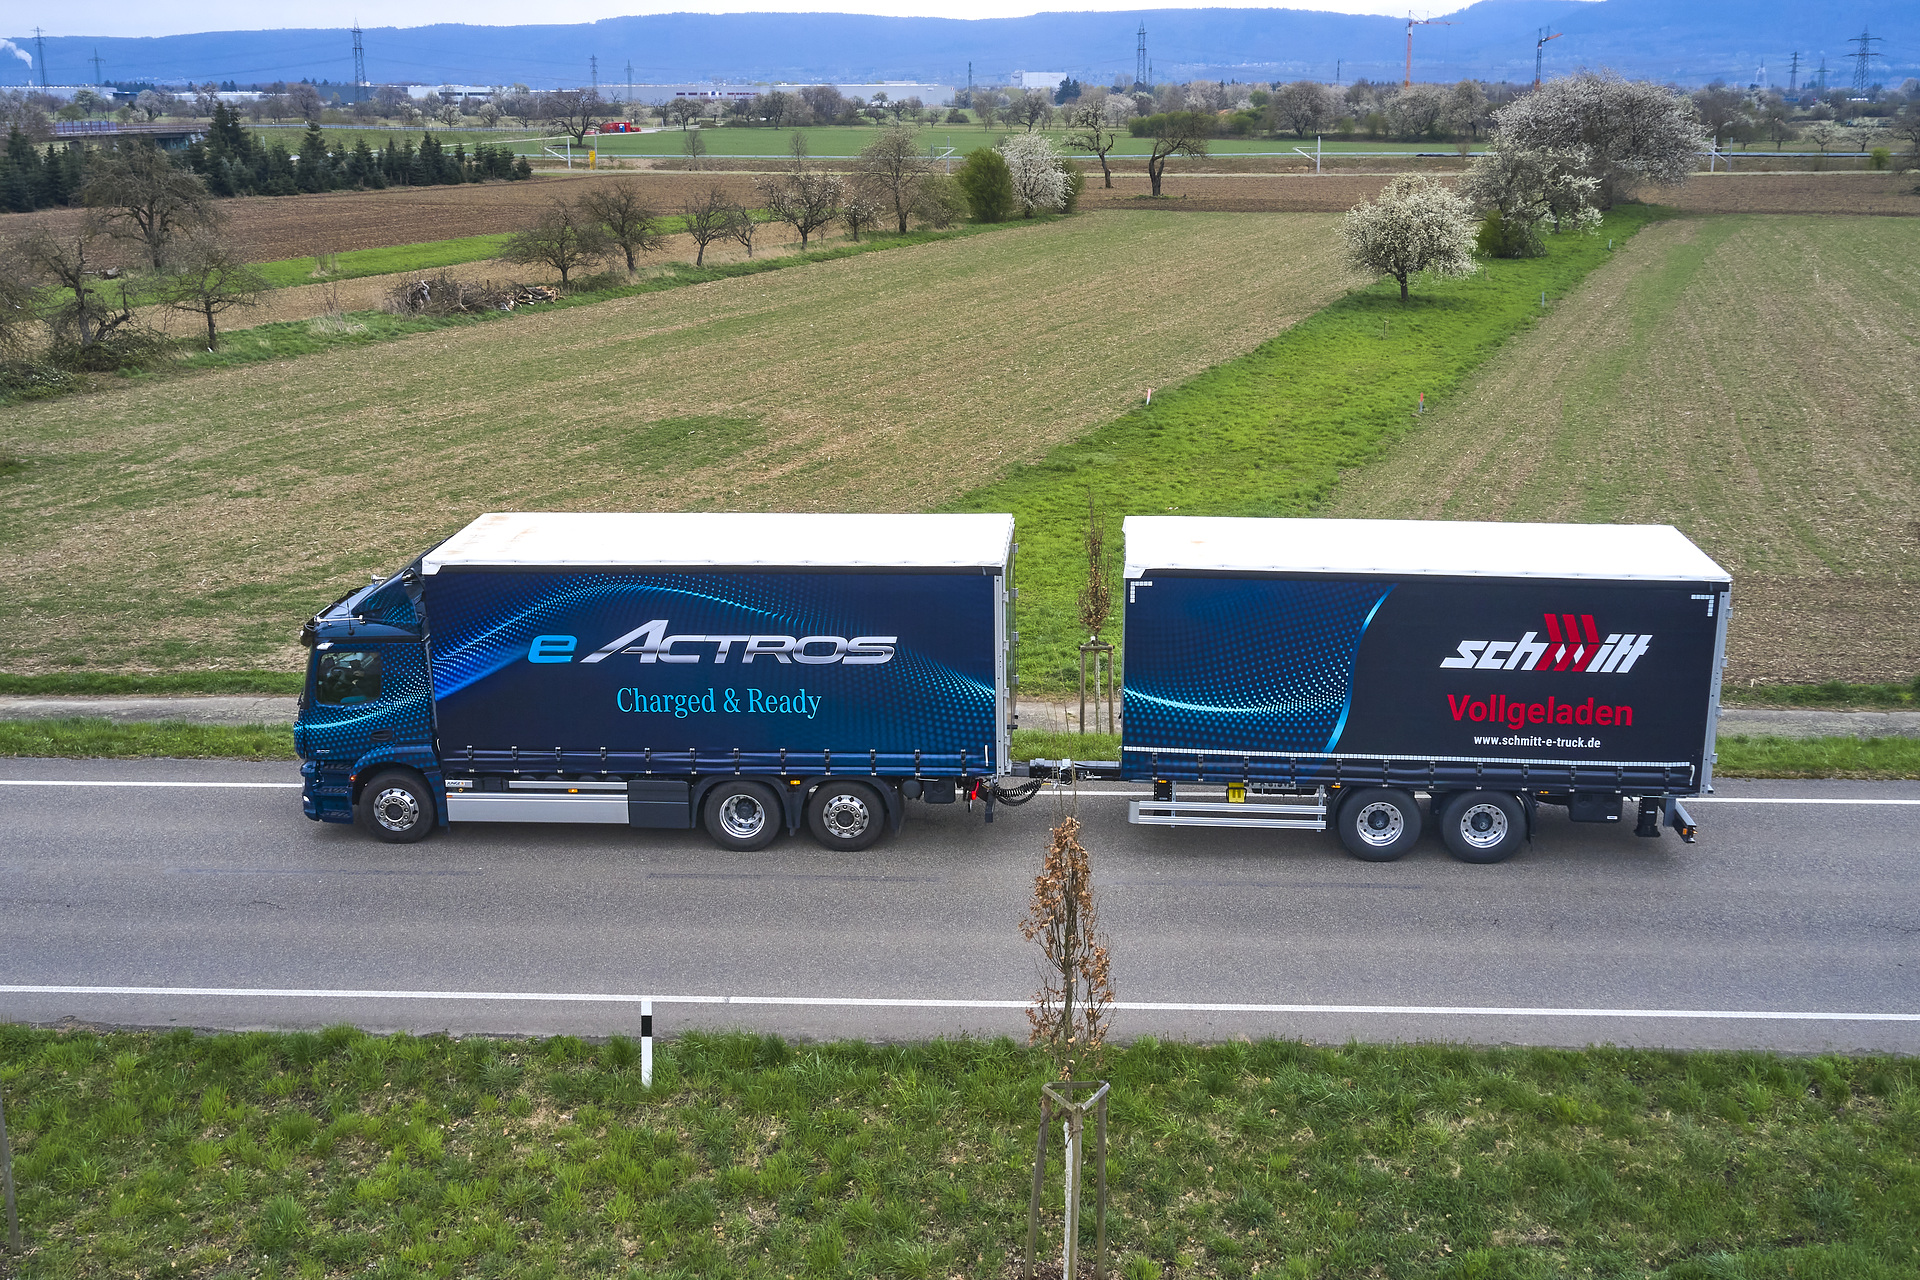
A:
(310, 1154)
(84, 737)
(1833, 693)
(286, 683)
(95, 738)
(1269, 434)
(1744, 756)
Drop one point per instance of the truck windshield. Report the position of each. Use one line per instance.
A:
(343, 677)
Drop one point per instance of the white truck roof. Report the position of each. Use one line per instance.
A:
(1401, 548)
(564, 539)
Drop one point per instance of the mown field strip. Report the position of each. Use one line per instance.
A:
(196, 522)
(1751, 380)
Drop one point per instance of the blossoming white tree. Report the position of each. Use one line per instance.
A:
(1628, 133)
(1516, 189)
(1415, 224)
(1039, 181)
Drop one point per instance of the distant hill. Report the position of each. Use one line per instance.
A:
(1692, 42)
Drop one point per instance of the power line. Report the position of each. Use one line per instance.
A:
(593, 61)
(359, 61)
(40, 45)
(1140, 56)
(95, 60)
(1793, 74)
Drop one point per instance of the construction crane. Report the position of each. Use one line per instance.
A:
(1539, 51)
(1413, 22)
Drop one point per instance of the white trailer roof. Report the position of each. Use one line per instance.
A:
(1399, 548)
(638, 539)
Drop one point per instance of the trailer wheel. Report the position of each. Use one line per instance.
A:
(1482, 826)
(845, 815)
(742, 816)
(1379, 824)
(397, 807)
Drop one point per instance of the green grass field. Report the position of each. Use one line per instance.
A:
(207, 516)
(335, 1153)
(1271, 433)
(1746, 379)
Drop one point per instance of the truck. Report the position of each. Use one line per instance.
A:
(747, 674)
(1292, 674)
(743, 673)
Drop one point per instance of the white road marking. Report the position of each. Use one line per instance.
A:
(881, 1002)
(92, 782)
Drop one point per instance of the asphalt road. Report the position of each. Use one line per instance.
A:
(1590, 935)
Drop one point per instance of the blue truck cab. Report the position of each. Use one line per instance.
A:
(366, 713)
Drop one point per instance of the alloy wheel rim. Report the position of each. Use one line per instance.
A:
(1380, 823)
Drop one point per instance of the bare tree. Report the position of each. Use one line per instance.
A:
(77, 310)
(695, 145)
(805, 196)
(1091, 129)
(303, 100)
(575, 112)
(448, 113)
(893, 167)
(629, 225)
(564, 237)
(144, 196)
(205, 277)
(708, 218)
(1415, 224)
(742, 226)
(681, 111)
(18, 295)
(1070, 1012)
(1032, 109)
(1174, 133)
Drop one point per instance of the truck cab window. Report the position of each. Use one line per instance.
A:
(345, 677)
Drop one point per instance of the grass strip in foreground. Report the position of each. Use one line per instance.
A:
(1268, 434)
(97, 738)
(102, 739)
(337, 1152)
(1744, 756)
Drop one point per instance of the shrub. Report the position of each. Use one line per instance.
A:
(1879, 159)
(115, 353)
(31, 380)
(988, 185)
(940, 202)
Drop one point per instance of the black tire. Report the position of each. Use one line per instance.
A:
(846, 815)
(1379, 824)
(1482, 826)
(742, 816)
(397, 807)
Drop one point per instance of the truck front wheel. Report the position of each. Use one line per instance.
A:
(743, 816)
(1379, 824)
(845, 815)
(1482, 826)
(397, 807)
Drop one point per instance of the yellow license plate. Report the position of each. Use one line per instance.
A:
(1236, 793)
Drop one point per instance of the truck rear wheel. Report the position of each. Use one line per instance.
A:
(845, 815)
(743, 816)
(1482, 826)
(397, 807)
(1379, 824)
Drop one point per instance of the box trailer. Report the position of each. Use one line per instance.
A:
(1301, 673)
(737, 672)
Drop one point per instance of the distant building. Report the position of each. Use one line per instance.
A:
(464, 93)
(932, 95)
(1048, 80)
(66, 92)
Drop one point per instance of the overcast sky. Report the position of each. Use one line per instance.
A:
(173, 17)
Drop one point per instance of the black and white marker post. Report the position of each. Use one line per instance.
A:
(646, 1060)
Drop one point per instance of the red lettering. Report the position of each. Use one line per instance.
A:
(1623, 715)
(1477, 711)
(1603, 715)
(1583, 714)
(1536, 712)
(1564, 715)
(1457, 705)
(1514, 713)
